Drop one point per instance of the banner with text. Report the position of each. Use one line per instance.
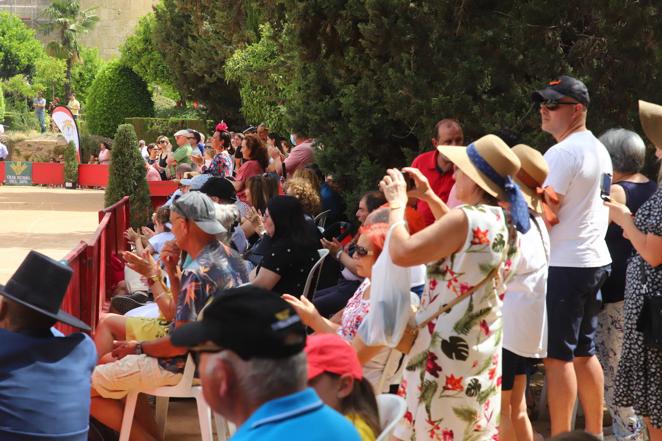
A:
(18, 173)
(65, 121)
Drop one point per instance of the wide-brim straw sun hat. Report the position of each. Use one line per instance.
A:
(650, 116)
(491, 164)
(531, 175)
(495, 152)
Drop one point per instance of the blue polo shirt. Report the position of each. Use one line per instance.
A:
(300, 416)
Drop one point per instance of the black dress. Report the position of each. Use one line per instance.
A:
(639, 377)
(292, 263)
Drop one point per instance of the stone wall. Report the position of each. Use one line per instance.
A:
(118, 20)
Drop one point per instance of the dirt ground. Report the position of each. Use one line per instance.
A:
(50, 220)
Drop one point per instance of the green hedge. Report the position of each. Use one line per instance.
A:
(151, 128)
(116, 93)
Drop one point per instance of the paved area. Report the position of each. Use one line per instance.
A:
(50, 220)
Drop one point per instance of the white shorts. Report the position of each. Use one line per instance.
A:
(133, 372)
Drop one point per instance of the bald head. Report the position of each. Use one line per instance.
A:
(448, 131)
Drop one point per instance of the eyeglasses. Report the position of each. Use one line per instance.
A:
(163, 141)
(553, 104)
(362, 252)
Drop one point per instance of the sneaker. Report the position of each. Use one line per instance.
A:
(124, 304)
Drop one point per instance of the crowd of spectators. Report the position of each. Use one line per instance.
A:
(510, 260)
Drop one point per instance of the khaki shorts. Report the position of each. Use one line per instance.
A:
(133, 372)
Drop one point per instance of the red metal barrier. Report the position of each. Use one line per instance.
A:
(160, 191)
(119, 221)
(93, 175)
(47, 173)
(72, 299)
(2, 172)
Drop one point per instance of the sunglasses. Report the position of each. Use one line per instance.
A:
(553, 104)
(362, 252)
(163, 141)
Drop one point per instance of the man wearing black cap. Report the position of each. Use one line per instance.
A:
(580, 259)
(154, 363)
(44, 379)
(253, 369)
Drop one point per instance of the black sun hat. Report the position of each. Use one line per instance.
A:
(250, 321)
(40, 283)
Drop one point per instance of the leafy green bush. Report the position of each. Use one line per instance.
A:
(19, 47)
(150, 128)
(23, 121)
(127, 176)
(2, 104)
(116, 93)
(83, 73)
(70, 164)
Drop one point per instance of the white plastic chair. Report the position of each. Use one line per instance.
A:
(392, 409)
(184, 389)
(314, 274)
(320, 219)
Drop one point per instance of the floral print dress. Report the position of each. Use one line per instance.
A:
(452, 382)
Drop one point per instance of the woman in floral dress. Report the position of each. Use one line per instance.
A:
(453, 379)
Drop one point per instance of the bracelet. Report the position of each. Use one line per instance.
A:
(395, 206)
(340, 251)
(156, 299)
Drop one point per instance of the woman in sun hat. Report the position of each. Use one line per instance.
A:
(524, 308)
(452, 381)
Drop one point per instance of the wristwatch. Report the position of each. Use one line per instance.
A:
(153, 279)
(340, 251)
(139, 348)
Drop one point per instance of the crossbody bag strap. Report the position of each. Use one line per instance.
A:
(446, 307)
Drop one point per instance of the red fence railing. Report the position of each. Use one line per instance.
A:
(89, 287)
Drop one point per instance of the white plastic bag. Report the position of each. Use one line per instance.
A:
(389, 301)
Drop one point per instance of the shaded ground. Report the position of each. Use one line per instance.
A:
(52, 221)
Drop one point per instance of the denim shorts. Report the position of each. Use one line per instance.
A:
(573, 304)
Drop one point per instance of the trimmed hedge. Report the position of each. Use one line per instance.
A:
(151, 128)
(128, 176)
(116, 93)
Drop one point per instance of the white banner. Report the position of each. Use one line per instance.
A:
(64, 120)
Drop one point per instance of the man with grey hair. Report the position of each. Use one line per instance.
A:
(254, 371)
(630, 187)
(144, 365)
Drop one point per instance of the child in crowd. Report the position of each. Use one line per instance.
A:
(335, 373)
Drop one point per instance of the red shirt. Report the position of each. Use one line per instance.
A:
(441, 183)
(247, 169)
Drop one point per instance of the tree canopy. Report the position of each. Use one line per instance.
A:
(19, 47)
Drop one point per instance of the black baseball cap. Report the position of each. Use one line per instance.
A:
(564, 86)
(250, 321)
(222, 188)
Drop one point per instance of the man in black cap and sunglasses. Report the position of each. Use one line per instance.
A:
(44, 378)
(580, 260)
(252, 364)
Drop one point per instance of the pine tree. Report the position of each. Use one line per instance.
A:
(128, 176)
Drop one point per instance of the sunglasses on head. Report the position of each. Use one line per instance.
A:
(553, 104)
(362, 252)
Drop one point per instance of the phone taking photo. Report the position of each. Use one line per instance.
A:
(605, 187)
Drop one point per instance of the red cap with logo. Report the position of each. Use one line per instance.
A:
(330, 353)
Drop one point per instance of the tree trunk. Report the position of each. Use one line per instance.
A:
(67, 83)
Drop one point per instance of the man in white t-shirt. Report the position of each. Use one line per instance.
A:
(580, 260)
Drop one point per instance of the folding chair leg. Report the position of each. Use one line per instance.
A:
(127, 418)
(204, 416)
(161, 413)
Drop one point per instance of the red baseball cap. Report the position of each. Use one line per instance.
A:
(331, 353)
